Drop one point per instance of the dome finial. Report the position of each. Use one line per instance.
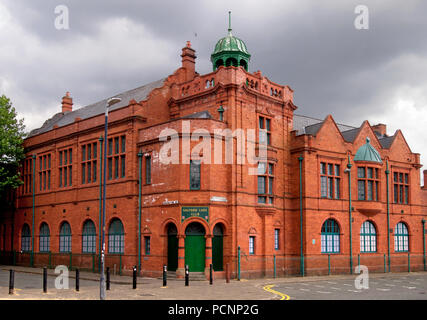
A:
(229, 22)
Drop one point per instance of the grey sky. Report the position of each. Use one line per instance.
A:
(378, 74)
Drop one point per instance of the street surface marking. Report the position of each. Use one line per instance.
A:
(331, 282)
(390, 285)
(335, 288)
(383, 289)
(282, 295)
(322, 291)
(302, 289)
(319, 286)
(408, 287)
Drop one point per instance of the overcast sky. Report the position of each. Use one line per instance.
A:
(379, 74)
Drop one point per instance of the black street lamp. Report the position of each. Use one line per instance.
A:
(110, 102)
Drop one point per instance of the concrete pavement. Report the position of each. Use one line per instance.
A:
(28, 284)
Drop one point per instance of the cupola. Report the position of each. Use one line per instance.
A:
(230, 51)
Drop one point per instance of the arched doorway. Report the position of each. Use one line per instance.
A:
(195, 246)
(217, 248)
(172, 247)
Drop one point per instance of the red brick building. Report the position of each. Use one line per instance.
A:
(197, 213)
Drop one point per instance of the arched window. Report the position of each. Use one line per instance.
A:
(89, 237)
(330, 237)
(401, 238)
(44, 238)
(368, 237)
(116, 237)
(219, 63)
(231, 62)
(26, 238)
(65, 238)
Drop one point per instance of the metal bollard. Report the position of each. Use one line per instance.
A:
(44, 279)
(210, 274)
(11, 281)
(165, 272)
(77, 279)
(134, 278)
(187, 275)
(108, 278)
(227, 273)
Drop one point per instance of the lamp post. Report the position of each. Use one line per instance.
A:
(350, 218)
(109, 103)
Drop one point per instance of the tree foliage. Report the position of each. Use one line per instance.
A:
(11, 145)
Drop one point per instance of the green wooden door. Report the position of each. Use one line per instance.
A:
(217, 253)
(195, 253)
(172, 253)
(195, 246)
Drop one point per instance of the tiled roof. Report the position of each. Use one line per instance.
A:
(309, 125)
(62, 119)
(386, 141)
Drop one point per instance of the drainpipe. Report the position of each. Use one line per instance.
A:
(32, 229)
(139, 210)
(387, 172)
(349, 165)
(101, 139)
(424, 244)
(300, 158)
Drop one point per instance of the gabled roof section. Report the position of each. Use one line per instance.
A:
(62, 119)
(308, 125)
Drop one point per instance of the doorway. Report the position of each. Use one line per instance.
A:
(195, 246)
(172, 247)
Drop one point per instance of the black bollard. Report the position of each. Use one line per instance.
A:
(187, 275)
(227, 274)
(77, 279)
(134, 278)
(165, 272)
(11, 281)
(210, 274)
(44, 279)
(108, 278)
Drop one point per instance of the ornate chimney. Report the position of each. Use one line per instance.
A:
(67, 103)
(189, 61)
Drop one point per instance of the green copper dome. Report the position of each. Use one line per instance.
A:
(230, 51)
(367, 153)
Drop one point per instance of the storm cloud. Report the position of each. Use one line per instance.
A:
(379, 74)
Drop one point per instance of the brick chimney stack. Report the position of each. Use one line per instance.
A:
(380, 128)
(189, 61)
(67, 103)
